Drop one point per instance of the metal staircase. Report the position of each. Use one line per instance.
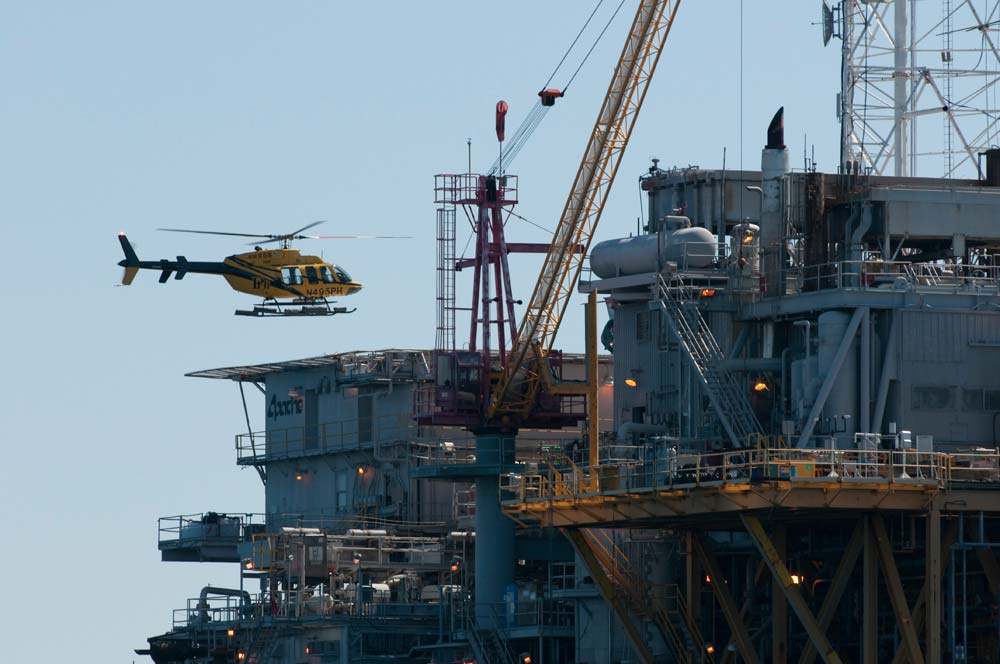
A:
(695, 337)
(668, 613)
(488, 645)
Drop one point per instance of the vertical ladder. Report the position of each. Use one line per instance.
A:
(695, 337)
(445, 336)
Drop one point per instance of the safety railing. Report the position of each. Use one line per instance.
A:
(215, 527)
(224, 610)
(878, 274)
(687, 471)
(329, 437)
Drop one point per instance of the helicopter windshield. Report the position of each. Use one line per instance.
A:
(342, 274)
(327, 274)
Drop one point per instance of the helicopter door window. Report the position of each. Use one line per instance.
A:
(292, 276)
(311, 275)
(327, 275)
(342, 275)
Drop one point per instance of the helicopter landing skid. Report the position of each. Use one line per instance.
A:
(299, 307)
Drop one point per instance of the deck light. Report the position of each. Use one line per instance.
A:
(248, 564)
(361, 470)
(796, 579)
(230, 632)
(455, 565)
(760, 386)
(710, 649)
(298, 476)
(631, 382)
(708, 292)
(747, 238)
(708, 579)
(241, 656)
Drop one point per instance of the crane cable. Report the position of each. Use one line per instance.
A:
(539, 111)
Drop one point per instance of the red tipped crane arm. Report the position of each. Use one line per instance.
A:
(516, 392)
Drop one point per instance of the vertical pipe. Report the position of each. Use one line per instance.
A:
(593, 381)
(864, 418)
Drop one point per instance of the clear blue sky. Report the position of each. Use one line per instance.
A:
(261, 117)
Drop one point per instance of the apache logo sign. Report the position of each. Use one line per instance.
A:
(277, 409)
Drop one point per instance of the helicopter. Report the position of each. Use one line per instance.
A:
(291, 283)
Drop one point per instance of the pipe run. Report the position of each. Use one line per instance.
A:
(225, 592)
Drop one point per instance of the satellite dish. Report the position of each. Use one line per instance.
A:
(827, 22)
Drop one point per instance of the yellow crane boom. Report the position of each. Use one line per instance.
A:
(516, 392)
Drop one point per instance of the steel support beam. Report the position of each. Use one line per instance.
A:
(990, 567)
(736, 626)
(779, 605)
(837, 587)
(919, 612)
(932, 588)
(790, 590)
(888, 367)
(692, 572)
(896, 595)
(869, 590)
(831, 377)
(603, 582)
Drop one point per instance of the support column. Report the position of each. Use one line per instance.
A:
(495, 559)
(692, 575)
(932, 602)
(593, 384)
(779, 605)
(869, 589)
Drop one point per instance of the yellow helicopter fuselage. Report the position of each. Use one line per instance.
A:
(287, 273)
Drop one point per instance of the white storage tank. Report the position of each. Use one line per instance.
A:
(676, 242)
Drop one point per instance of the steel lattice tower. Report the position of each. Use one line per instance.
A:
(908, 66)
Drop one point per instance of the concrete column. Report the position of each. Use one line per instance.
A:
(494, 531)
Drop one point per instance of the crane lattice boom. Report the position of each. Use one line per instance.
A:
(517, 389)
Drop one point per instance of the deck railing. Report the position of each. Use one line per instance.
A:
(689, 471)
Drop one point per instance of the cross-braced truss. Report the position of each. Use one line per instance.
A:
(919, 93)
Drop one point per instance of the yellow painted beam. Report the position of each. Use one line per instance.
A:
(791, 591)
(896, 595)
(725, 599)
(837, 587)
(604, 584)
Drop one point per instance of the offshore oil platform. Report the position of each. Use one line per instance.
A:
(790, 452)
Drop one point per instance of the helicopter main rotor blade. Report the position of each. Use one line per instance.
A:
(186, 230)
(359, 237)
(293, 234)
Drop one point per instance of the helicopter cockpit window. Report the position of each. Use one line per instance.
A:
(311, 276)
(342, 275)
(327, 274)
(291, 276)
